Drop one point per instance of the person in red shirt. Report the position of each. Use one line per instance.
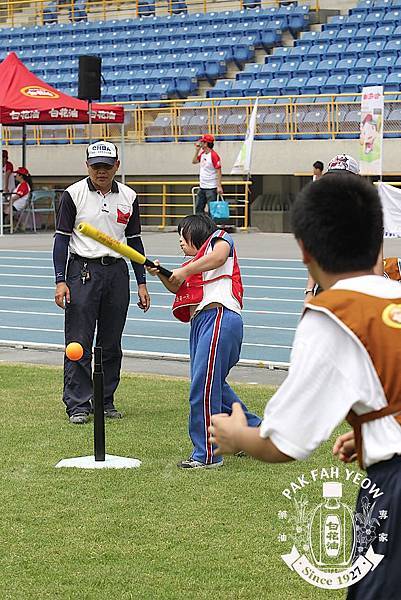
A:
(8, 176)
(20, 195)
(210, 172)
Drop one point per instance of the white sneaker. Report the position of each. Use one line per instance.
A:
(190, 463)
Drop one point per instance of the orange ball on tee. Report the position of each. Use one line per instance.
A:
(74, 351)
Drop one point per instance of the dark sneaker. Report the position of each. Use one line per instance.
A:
(190, 463)
(79, 418)
(112, 413)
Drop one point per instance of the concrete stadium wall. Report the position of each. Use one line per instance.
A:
(62, 164)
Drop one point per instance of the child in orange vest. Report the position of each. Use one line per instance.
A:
(345, 363)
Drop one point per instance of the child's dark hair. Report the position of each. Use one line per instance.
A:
(340, 222)
(318, 165)
(196, 229)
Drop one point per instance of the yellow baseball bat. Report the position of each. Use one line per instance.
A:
(120, 248)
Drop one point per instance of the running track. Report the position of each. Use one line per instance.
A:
(272, 306)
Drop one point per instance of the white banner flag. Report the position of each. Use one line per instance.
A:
(390, 197)
(242, 165)
(371, 137)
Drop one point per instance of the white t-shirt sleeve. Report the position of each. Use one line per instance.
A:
(318, 393)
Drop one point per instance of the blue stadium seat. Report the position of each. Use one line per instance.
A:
(374, 48)
(300, 51)
(310, 37)
(280, 54)
(393, 17)
(375, 17)
(396, 66)
(50, 13)
(397, 31)
(363, 6)
(387, 4)
(313, 124)
(295, 85)
(289, 68)
(276, 86)
(306, 67)
(336, 50)
(337, 22)
(328, 35)
(146, 8)
(345, 65)
(334, 84)
(355, 49)
(350, 124)
(393, 82)
(250, 72)
(391, 48)
(258, 87)
(220, 88)
(385, 32)
(365, 34)
(326, 67)
(356, 19)
(314, 84)
(375, 79)
(240, 87)
(318, 50)
(297, 22)
(269, 38)
(384, 64)
(354, 83)
(273, 125)
(271, 68)
(160, 130)
(365, 64)
(392, 123)
(347, 34)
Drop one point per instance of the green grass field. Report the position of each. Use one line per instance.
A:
(153, 532)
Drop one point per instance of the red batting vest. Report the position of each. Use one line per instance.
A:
(190, 292)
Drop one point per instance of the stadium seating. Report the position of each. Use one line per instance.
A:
(205, 42)
(153, 58)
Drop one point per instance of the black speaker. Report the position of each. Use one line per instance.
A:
(89, 77)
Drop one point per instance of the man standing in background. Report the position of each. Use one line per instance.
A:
(210, 172)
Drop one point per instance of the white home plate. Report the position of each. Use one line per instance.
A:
(110, 462)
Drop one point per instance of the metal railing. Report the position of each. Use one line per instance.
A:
(164, 203)
(295, 118)
(15, 13)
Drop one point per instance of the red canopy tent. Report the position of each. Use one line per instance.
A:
(26, 99)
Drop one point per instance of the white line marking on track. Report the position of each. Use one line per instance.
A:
(140, 336)
(139, 319)
(168, 307)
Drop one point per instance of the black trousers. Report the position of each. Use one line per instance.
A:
(384, 583)
(100, 304)
(203, 197)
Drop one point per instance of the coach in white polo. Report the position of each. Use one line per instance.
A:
(93, 285)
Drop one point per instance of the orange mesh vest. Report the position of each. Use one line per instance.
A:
(376, 322)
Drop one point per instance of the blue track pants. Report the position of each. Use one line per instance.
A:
(215, 346)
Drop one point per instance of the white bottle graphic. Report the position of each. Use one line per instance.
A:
(331, 529)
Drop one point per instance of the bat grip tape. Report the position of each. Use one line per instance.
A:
(161, 269)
